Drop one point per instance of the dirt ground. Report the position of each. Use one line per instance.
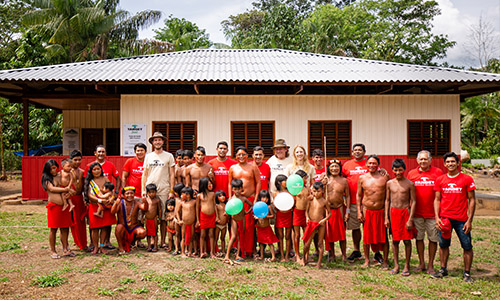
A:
(143, 275)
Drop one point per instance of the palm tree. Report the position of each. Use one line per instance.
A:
(83, 29)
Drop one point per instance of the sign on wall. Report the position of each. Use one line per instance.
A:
(71, 140)
(133, 134)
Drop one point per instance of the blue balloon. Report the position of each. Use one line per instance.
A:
(260, 209)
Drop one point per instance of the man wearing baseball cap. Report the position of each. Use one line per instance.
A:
(159, 168)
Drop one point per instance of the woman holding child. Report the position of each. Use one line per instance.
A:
(94, 184)
(57, 217)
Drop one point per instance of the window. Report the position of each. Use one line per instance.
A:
(180, 135)
(431, 135)
(251, 134)
(338, 137)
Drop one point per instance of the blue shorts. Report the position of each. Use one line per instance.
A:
(465, 239)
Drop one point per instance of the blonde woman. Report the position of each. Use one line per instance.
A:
(300, 162)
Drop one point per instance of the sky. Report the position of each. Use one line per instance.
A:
(457, 16)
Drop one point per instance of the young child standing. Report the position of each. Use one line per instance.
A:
(238, 220)
(178, 228)
(400, 198)
(265, 234)
(186, 214)
(152, 217)
(221, 221)
(67, 181)
(108, 194)
(283, 224)
(302, 200)
(316, 224)
(171, 224)
(207, 215)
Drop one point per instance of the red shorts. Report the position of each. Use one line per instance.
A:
(399, 218)
(172, 231)
(150, 227)
(311, 226)
(336, 228)
(128, 238)
(284, 219)
(265, 235)
(299, 217)
(374, 228)
(207, 221)
(58, 218)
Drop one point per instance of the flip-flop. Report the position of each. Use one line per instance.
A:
(109, 247)
(393, 272)
(419, 270)
(69, 254)
(55, 256)
(149, 249)
(240, 260)
(154, 250)
(405, 273)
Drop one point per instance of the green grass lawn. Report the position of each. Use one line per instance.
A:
(26, 271)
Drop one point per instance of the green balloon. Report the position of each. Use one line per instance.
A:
(234, 206)
(294, 184)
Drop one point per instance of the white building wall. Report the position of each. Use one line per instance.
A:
(378, 121)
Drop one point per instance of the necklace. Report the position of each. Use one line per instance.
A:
(129, 215)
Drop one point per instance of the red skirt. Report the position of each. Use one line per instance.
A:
(207, 221)
(399, 218)
(128, 238)
(265, 235)
(311, 226)
(336, 227)
(187, 234)
(284, 219)
(247, 242)
(374, 228)
(58, 218)
(150, 227)
(299, 217)
(107, 219)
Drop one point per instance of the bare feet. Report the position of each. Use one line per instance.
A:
(366, 264)
(71, 206)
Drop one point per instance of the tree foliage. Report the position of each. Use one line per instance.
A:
(391, 30)
(183, 34)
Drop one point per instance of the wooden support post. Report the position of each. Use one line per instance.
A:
(26, 132)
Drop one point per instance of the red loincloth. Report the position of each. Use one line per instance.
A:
(79, 228)
(58, 218)
(248, 241)
(335, 230)
(311, 226)
(150, 227)
(207, 221)
(127, 240)
(374, 228)
(284, 219)
(299, 217)
(171, 230)
(399, 217)
(107, 219)
(265, 235)
(187, 234)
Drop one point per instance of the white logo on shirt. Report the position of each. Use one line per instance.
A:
(358, 171)
(452, 189)
(221, 171)
(424, 181)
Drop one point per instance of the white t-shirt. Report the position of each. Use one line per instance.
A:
(158, 167)
(277, 167)
(289, 170)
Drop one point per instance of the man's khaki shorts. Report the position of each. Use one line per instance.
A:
(426, 225)
(353, 223)
(163, 202)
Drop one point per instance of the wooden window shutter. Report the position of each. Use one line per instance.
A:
(430, 135)
(338, 137)
(251, 134)
(180, 135)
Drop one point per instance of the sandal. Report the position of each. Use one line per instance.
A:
(393, 272)
(69, 253)
(405, 273)
(149, 249)
(154, 250)
(55, 256)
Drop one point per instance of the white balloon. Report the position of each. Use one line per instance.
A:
(283, 201)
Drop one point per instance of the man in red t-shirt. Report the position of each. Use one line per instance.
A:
(424, 178)
(221, 165)
(133, 169)
(109, 170)
(454, 208)
(319, 163)
(265, 170)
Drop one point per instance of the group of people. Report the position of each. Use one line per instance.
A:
(186, 198)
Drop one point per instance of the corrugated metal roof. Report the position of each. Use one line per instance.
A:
(244, 65)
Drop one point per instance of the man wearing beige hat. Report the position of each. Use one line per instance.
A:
(159, 168)
(278, 161)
